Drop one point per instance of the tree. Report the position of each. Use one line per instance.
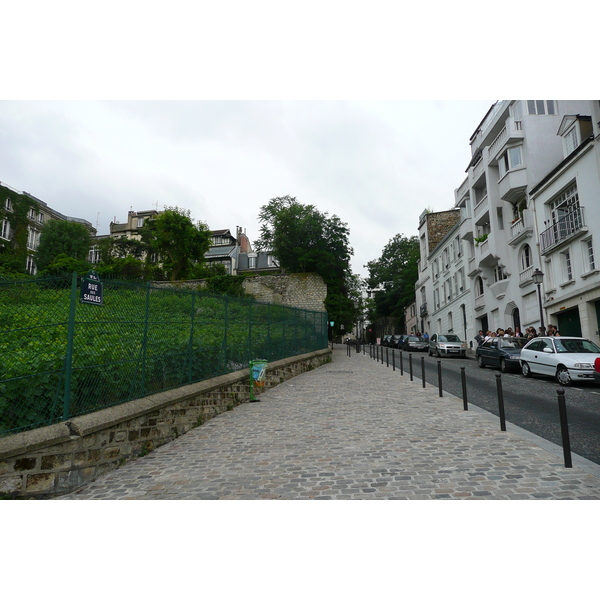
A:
(305, 240)
(180, 243)
(394, 275)
(62, 237)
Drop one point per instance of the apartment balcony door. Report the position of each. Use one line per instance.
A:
(568, 322)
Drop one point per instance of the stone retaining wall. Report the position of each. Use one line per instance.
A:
(58, 459)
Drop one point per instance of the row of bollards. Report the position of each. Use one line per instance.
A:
(562, 409)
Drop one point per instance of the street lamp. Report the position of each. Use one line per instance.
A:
(538, 277)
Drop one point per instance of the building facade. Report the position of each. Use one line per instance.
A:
(38, 214)
(499, 228)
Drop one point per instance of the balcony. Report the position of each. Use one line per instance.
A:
(511, 132)
(480, 302)
(520, 229)
(525, 277)
(512, 184)
(566, 228)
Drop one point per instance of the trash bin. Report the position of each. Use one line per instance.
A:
(258, 372)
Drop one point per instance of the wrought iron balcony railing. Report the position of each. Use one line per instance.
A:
(563, 229)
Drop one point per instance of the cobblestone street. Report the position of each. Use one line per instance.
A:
(352, 429)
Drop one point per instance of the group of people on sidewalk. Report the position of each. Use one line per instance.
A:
(529, 333)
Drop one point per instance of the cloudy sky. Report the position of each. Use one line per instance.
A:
(375, 164)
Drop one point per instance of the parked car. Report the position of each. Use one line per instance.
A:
(501, 352)
(397, 341)
(447, 344)
(385, 340)
(597, 370)
(568, 359)
(414, 343)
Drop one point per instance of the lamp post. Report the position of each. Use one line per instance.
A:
(538, 277)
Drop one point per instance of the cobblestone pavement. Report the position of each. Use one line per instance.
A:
(352, 429)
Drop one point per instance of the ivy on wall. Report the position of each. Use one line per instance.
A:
(13, 252)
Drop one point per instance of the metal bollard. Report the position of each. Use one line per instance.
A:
(464, 387)
(564, 427)
(500, 402)
(401, 364)
(387, 357)
(423, 369)
(410, 364)
(393, 360)
(439, 362)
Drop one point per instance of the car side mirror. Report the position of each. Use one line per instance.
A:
(549, 350)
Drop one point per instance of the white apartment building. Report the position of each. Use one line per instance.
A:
(513, 148)
(566, 209)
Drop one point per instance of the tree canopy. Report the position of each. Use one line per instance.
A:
(180, 243)
(394, 275)
(62, 237)
(303, 240)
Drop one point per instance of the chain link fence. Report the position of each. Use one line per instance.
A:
(60, 358)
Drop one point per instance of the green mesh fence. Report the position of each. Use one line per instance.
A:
(60, 358)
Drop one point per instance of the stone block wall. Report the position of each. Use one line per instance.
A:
(300, 290)
(58, 459)
(438, 225)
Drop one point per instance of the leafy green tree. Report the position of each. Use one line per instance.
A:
(180, 243)
(65, 265)
(305, 240)
(62, 237)
(394, 275)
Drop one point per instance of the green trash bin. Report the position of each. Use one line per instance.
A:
(258, 372)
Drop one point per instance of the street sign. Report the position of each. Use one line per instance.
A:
(91, 289)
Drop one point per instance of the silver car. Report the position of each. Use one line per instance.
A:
(568, 359)
(447, 344)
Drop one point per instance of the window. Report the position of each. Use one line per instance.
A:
(525, 257)
(511, 159)
(31, 214)
(541, 107)
(478, 287)
(31, 265)
(32, 237)
(588, 250)
(40, 217)
(140, 222)
(8, 204)
(567, 268)
(571, 140)
(450, 324)
(5, 229)
(252, 261)
(498, 274)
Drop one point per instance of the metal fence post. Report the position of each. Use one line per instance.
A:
(500, 402)
(464, 388)
(564, 427)
(69, 355)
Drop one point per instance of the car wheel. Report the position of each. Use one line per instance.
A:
(503, 367)
(563, 376)
(526, 370)
(480, 362)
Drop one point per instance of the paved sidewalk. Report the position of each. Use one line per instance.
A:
(352, 429)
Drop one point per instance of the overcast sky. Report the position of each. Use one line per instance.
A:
(375, 164)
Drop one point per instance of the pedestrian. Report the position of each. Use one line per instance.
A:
(518, 332)
(480, 338)
(426, 336)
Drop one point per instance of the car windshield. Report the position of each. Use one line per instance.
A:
(449, 338)
(576, 346)
(513, 342)
(412, 338)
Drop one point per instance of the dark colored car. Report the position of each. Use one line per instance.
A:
(503, 352)
(415, 343)
(397, 341)
(385, 340)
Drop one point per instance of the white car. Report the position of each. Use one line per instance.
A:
(569, 359)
